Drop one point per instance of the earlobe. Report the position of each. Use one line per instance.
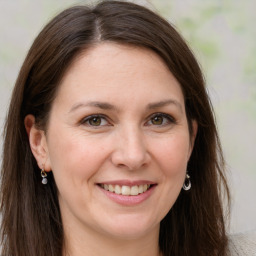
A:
(193, 136)
(194, 133)
(38, 143)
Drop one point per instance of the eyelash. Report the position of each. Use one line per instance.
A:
(168, 120)
(86, 120)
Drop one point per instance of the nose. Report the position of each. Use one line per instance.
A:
(130, 149)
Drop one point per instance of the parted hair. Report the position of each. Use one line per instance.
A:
(31, 219)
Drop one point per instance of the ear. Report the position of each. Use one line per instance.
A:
(38, 143)
(193, 136)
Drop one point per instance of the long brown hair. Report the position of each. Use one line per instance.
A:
(31, 221)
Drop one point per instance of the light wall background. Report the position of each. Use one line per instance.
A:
(221, 33)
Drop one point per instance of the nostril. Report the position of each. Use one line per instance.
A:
(129, 161)
(130, 149)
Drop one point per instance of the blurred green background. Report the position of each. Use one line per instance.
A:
(222, 35)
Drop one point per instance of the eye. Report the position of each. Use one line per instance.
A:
(95, 120)
(160, 119)
(157, 120)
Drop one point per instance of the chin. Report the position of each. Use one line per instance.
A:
(132, 228)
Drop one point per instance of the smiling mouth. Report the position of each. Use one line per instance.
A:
(126, 190)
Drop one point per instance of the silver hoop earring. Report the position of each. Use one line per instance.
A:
(44, 175)
(187, 183)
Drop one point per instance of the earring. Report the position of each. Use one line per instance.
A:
(187, 183)
(44, 175)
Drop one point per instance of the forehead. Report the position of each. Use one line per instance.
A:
(118, 72)
(109, 57)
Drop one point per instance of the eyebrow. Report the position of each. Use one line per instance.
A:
(108, 106)
(97, 104)
(165, 103)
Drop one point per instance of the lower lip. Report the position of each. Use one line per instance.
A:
(129, 200)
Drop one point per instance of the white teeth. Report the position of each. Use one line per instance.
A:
(118, 189)
(141, 189)
(111, 188)
(134, 190)
(126, 190)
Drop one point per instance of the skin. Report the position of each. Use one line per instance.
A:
(132, 141)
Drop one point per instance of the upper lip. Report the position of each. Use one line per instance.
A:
(128, 182)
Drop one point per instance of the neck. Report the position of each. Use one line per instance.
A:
(77, 244)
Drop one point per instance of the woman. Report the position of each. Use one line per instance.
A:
(110, 144)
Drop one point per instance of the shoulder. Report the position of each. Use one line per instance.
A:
(243, 244)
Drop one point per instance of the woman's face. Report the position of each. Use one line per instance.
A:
(117, 142)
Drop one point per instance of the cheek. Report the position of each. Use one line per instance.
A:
(172, 155)
(76, 157)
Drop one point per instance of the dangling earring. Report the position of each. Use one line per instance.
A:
(187, 183)
(44, 175)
